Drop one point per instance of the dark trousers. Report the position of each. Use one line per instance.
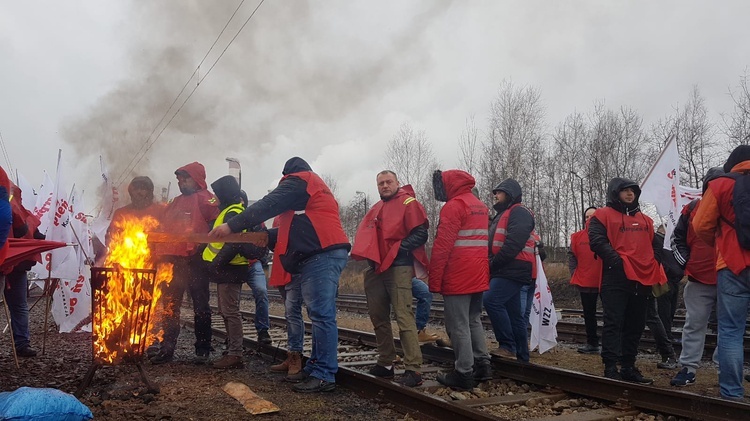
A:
(188, 273)
(657, 328)
(624, 303)
(667, 305)
(589, 296)
(16, 293)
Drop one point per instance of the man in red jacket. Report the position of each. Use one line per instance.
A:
(624, 239)
(392, 238)
(6, 216)
(192, 211)
(716, 222)
(586, 274)
(460, 271)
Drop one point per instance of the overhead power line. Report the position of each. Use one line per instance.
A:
(146, 146)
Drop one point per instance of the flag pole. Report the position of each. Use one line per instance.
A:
(12, 340)
(664, 149)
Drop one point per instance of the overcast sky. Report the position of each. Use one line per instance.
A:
(332, 81)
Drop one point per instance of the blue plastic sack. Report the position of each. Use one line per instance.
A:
(28, 403)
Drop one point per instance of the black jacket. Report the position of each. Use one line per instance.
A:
(520, 224)
(598, 239)
(290, 194)
(672, 268)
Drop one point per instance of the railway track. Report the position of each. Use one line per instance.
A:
(567, 330)
(558, 395)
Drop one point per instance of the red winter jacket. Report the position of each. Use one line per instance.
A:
(191, 213)
(587, 271)
(459, 264)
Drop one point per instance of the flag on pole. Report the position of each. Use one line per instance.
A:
(662, 188)
(108, 202)
(543, 317)
(44, 203)
(63, 262)
(29, 193)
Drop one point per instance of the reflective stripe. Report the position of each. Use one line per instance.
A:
(501, 231)
(466, 233)
(302, 212)
(528, 250)
(497, 243)
(470, 243)
(213, 249)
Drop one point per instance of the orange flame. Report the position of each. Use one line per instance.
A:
(131, 296)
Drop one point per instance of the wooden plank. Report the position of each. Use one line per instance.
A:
(252, 403)
(602, 414)
(258, 238)
(510, 399)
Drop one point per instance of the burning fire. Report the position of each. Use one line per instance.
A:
(131, 294)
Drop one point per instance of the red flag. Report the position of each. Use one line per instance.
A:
(20, 249)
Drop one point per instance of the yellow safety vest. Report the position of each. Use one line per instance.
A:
(210, 252)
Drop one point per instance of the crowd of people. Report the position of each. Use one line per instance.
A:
(478, 261)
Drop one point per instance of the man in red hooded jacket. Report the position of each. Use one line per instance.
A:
(625, 240)
(459, 270)
(193, 211)
(392, 238)
(6, 216)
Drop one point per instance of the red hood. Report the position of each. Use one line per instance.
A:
(197, 172)
(457, 182)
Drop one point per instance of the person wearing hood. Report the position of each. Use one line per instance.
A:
(459, 271)
(698, 259)
(512, 256)
(193, 211)
(586, 275)
(228, 267)
(311, 245)
(625, 240)
(722, 220)
(391, 238)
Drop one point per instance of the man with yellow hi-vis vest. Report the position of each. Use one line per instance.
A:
(228, 266)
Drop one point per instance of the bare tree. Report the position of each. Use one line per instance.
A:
(694, 133)
(332, 184)
(409, 154)
(469, 145)
(737, 124)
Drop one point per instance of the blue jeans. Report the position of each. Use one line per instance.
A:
(422, 294)
(257, 283)
(503, 305)
(16, 297)
(295, 325)
(527, 297)
(319, 282)
(733, 297)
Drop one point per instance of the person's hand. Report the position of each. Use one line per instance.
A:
(220, 231)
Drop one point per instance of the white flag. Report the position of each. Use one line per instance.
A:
(662, 188)
(543, 317)
(108, 199)
(73, 296)
(28, 193)
(64, 261)
(44, 203)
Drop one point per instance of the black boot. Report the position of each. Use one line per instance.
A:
(482, 371)
(456, 380)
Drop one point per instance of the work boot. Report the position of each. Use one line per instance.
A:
(162, 357)
(503, 353)
(668, 363)
(611, 372)
(264, 337)
(283, 367)
(482, 371)
(589, 349)
(26, 352)
(229, 361)
(296, 378)
(633, 375)
(423, 336)
(456, 380)
(152, 350)
(201, 357)
(410, 378)
(382, 372)
(295, 363)
(314, 385)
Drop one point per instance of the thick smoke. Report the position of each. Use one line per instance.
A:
(297, 69)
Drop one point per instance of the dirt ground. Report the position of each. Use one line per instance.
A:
(191, 392)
